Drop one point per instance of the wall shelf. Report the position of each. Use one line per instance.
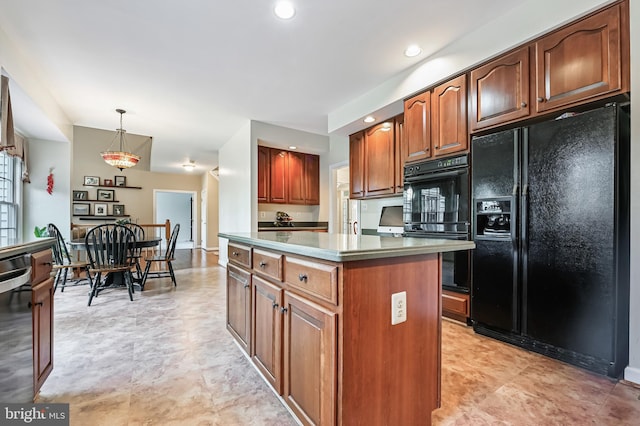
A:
(93, 217)
(112, 186)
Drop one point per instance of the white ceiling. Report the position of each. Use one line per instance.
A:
(190, 73)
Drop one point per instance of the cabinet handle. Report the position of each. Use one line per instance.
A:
(246, 285)
(541, 99)
(35, 304)
(303, 277)
(274, 305)
(283, 310)
(524, 105)
(262, 264)
(437, 147)
(235, 253)
(47, 263)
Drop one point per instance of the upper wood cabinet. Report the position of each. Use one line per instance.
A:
(375, 164)
(579, 62)
(417, 127)
(401, 147)
(499, 90)
(287, 177)
(356, 165)
(449, 117)
(379, 154)
(263, 174)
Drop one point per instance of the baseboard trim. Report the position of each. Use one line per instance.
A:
(632, 374)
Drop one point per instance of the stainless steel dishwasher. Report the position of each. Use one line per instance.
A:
(16, 350)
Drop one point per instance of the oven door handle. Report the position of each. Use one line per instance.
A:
(434, 176)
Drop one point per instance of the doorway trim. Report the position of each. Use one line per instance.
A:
(333, 194)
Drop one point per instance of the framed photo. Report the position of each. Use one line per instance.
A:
(92, 181)
(100, 209)
(120, 180)
(106, 194)
(118, 209)
(81, 209)
(80, 195)
(108, 182)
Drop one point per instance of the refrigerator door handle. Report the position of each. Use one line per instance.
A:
(514, 192)
(525, 190)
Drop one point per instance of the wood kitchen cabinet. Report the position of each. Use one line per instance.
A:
(356, 165)
(239, 295)
(435, 121)
(499, 90)
(417, 127)
(375, 163)
(266, 326)
(449, 117)
(309, 360)
(585, 61)
(303, 178)
(379, 155)
(287, 177)
(264, 174)
(582, 62)
(42, 316)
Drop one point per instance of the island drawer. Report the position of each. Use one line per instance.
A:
(239, 254)
(41, 264)
(316, 279)
(269, 264)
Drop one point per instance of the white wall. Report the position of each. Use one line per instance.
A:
(40, 208)
(176, 206)
(237, 196)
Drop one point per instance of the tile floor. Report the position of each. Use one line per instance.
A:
(167, 359)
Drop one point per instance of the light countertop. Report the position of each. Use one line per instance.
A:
(344, 247)
(30, 247)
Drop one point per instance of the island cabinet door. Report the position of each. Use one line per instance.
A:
(309, 360)
(239, 305)
(266, 327)
(42, 305)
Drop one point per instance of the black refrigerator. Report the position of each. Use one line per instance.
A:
(551, 227)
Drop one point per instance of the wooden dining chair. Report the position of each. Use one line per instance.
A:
(64, 267)
(109, 252)
(166, 258)
(136, 253)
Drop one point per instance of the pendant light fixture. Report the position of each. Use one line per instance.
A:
(122, 159)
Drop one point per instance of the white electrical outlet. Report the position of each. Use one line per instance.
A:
(398, 307)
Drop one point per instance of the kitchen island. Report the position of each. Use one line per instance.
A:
(344, 328)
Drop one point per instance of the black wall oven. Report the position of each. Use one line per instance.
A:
(436, 205)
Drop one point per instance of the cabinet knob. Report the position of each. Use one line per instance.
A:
(235, 253)
(437, 147)
(523, 105)
(262, 264)
(246, 285)
(541, 99)
(35, 304)
(283, 310)
(274, 305)
(303, 277)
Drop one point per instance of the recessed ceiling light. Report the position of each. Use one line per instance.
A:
(284, 10)
(386, 126)
(413, 50)
(189, 166)
(369, 119)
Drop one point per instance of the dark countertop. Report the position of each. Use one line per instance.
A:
(344, 247)
(296, 226)
(30, 247)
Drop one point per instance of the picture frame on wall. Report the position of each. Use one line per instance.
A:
(118, 209)
(81, 209)
(106, 194)
(92, 181)
(80, 195)
(108, 182)
(120, 180)
(100, 209)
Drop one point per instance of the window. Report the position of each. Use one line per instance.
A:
(10, 198)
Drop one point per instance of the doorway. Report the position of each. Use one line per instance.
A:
(344, 212)
(178, 207)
